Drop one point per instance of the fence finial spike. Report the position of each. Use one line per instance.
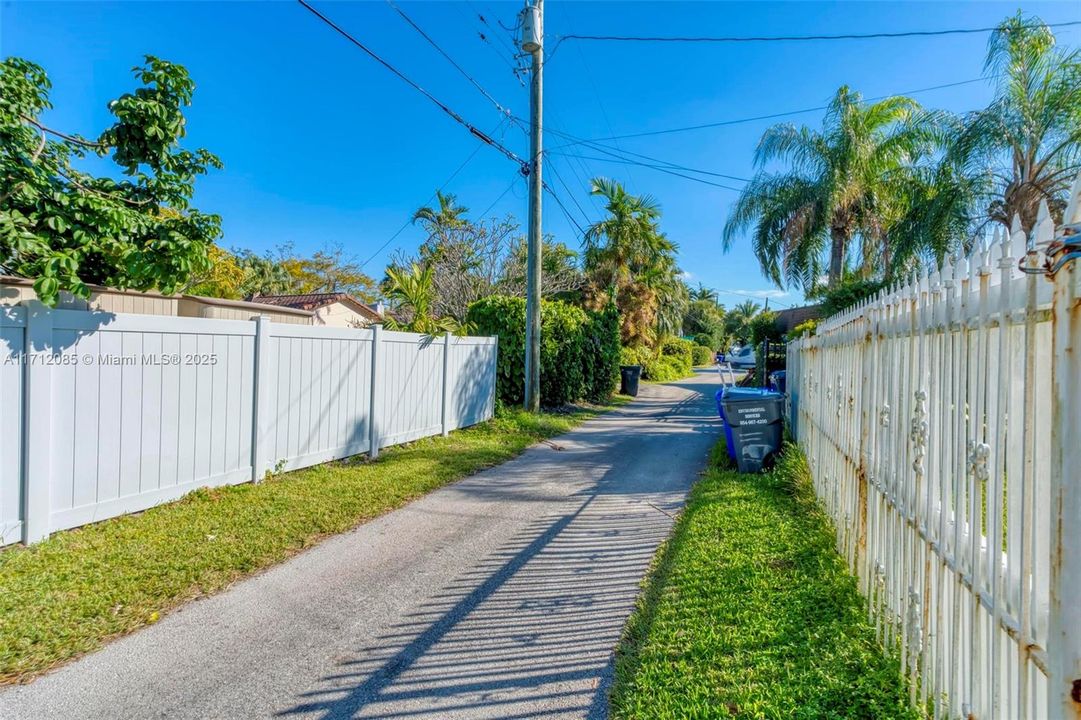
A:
(1045, 225)
(1073, 204)
(960, 268)
(1018, 240)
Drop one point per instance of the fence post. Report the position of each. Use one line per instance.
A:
(260, 419)
(446, 382)
(1064, 636)
(37, 427)
(373, 408)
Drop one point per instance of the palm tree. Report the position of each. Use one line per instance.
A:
(703, 293)
(841, 185)
(628, 258)
(1029, 139)
(438, 221)
(627, 241)
(746, 310)
(413, 291)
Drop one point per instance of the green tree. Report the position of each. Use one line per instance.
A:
(64, 227)
(704, 320)
(328, 270)
(842, 183)
(704, 293)
(413, 293)
(1028, 140)
(629, 259)
(446, 216)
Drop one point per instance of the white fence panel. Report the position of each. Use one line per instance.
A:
(941, 423)
(106, 414)
(409, 388)
(319, 394)
(144, 410)
(471, 378)
(12, 350)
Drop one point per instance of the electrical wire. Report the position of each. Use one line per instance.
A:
(664, 165)
(752, 297)
(559, 201)
(555, 171)
(796, 38)
(433, 196)
(402, 76)
(451, 60)
(503, 194)
(772, 116)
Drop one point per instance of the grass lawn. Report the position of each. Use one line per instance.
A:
(71, 593)
(750, 613)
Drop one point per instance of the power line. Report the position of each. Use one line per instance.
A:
(441, 105)
(739, 121)
(446, 182)
(664, 165)
(752, 297)
(451, 60)
(559, 201)
(659, 168)
(574, 199)
(795, 38)
(501, 196)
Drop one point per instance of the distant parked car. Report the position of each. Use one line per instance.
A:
(742, 358)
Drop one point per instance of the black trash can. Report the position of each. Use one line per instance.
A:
(629, 375)
(756, 420)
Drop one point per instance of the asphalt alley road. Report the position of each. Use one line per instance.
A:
(500, 596)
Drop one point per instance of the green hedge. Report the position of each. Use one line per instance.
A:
(579, 350)
(702, 355)
(673, 360)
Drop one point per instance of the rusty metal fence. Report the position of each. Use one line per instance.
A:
(942, 423)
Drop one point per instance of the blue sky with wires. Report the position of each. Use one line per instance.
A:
(322, 145)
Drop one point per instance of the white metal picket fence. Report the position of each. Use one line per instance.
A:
(104, 414)
(942, 423)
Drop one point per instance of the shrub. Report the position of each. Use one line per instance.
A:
(563, 341)
(702, 355)
(807, 327)
(504, 317)
(846, 294)
(602, 354)
(672, 361)
(763, 326)
(579, 351)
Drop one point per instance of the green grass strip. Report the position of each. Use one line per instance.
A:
(750, 613)
(71, 593)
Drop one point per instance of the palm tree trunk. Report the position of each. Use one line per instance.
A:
(839, 239)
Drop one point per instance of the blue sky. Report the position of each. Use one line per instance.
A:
(322, 145)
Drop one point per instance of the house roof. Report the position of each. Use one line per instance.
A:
(791, 317)
(314, 301)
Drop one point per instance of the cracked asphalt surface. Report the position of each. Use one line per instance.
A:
(500, 596)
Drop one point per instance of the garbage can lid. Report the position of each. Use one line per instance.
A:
(741, 393)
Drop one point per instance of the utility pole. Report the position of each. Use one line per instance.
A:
(533, 43)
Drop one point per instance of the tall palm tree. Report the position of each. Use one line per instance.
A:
(1029, 139)
(746, 310)
(625, 242)
(628, 258)
(840, 185)
(703, 293)
(446, 216)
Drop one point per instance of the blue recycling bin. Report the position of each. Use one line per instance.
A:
(744, 444)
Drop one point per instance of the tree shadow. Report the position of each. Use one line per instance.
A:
(530, 630)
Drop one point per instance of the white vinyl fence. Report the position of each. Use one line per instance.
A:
(104, 414)
(942, 422)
